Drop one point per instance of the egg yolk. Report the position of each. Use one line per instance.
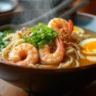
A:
(91, 47)
(75, 29)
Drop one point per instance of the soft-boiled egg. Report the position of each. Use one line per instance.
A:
(88, 46)
(78, 30)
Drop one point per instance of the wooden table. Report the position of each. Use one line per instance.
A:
(10, 90)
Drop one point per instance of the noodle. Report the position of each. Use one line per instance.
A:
(67, 63)
(10, 36)
(6, 50)
(17, 36)
(77, 63)
(18, 42)
(69, 50)
(63, 51)
(81, 55)
(33, 66)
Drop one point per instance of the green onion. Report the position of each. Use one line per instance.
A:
(6, 32)
(3, 43)
(41, 34)
(40, 44)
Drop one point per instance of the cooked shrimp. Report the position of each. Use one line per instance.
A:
(24, 54)
(62, 26)
(52, 58)
(6, 51)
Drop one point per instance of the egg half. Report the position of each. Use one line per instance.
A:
(91, 58)
(78, 30)
(89, 48)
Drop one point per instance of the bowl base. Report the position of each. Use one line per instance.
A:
(71, 93)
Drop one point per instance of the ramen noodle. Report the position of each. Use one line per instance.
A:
(59, 44)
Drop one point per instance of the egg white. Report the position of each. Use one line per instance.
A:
(91, 58)
(86, 41)
(78, 30)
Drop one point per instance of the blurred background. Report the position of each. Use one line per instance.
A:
(91, 8)
(21, 11)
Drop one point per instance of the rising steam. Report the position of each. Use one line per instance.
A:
(36, 8)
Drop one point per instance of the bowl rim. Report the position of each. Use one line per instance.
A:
(49, 69)
(56, 69)
(13, 6)
(86, 14)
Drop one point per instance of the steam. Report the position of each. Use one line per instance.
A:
(36, 8)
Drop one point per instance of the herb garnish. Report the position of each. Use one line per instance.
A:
(41, 34)
(3, 43)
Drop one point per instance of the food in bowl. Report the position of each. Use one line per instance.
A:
(59, 44)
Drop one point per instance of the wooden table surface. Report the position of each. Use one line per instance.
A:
(7, 89)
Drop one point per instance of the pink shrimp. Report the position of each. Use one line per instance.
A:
(52, 58)
(24, 54)
(61, 26)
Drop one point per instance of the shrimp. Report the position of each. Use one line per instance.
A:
(13, 44)
(61, 26)
(52, 58)
(24, 54)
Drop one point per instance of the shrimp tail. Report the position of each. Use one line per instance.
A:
(59, 43)
(52, 58)
(71, 26)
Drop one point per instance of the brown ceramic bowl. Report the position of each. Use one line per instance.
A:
(52, 81)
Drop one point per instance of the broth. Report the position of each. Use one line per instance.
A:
(85, 62)
(49, 46)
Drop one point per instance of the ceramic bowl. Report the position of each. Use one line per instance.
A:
(52, 81)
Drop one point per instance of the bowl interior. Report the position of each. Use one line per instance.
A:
(85, 20)
(52, 81)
